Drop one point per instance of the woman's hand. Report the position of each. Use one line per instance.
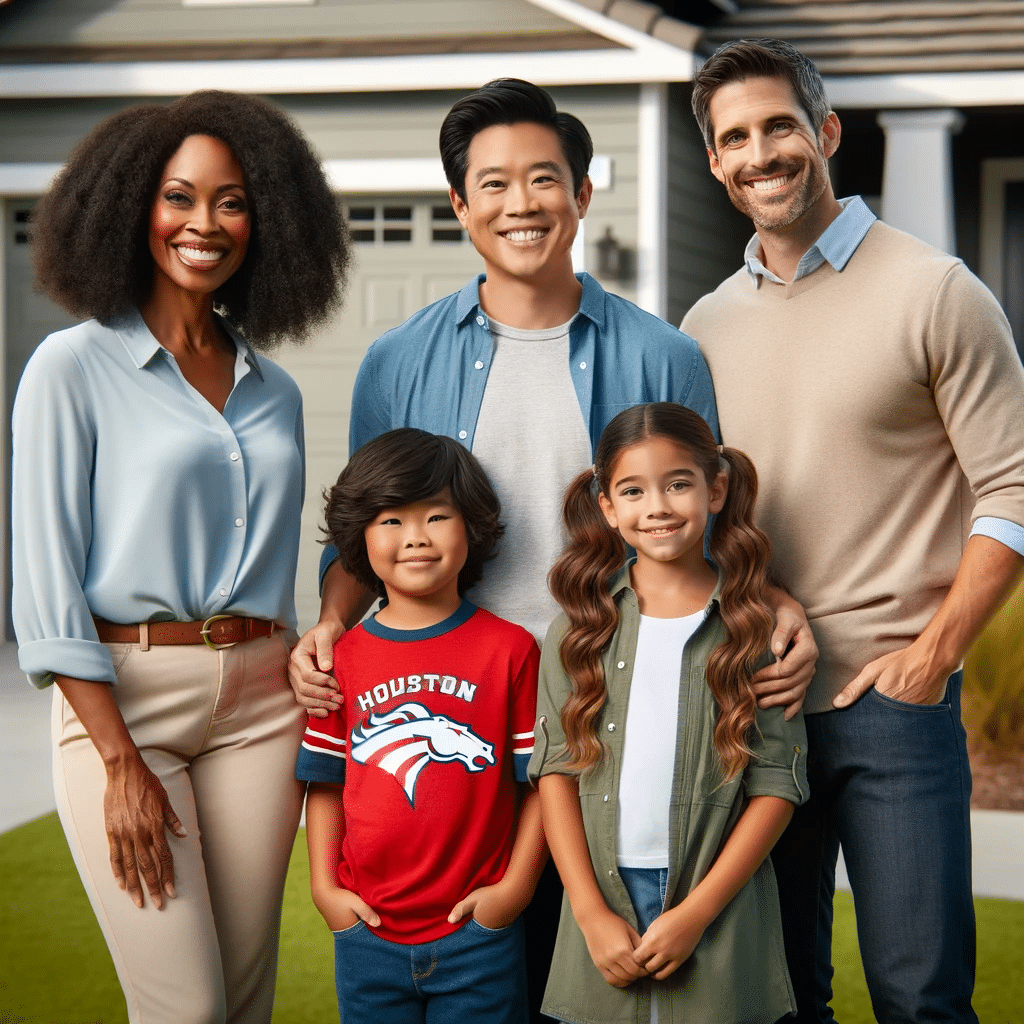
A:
(137, 814)
(668, 943)
(136, 810)
(612, 944)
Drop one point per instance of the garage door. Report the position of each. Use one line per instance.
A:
(409, 251)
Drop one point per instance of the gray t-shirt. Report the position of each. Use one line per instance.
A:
(531, 440)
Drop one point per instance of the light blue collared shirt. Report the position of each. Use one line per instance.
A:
(837, 243)
(431, 371)
(135, 500)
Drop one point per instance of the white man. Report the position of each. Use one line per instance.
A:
(874, 382)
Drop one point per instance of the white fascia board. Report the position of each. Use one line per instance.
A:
(415, 174)
(967, 89)
(328, 75)
(616, 31)
(26, 179)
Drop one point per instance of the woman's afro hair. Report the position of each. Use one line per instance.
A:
(91, 230)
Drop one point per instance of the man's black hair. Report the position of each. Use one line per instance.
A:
(510, 101)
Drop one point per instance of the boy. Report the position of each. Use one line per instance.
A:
(419, 861)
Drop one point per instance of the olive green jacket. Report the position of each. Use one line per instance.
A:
(738, 972)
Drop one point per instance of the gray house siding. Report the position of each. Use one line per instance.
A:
(706, 235)
(611, 114)
(45, 130)
(51, 23)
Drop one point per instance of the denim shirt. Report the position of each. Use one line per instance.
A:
(431, 371)
(738, 970)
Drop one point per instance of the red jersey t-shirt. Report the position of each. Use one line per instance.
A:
(435, 729)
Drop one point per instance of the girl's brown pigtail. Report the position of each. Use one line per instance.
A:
(580, 582)
(742, 552)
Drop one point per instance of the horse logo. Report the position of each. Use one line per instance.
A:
(403, 741)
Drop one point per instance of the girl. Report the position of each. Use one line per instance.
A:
(661, 823)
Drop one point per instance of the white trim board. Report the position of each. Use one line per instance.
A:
(995, 174)
(26, 179)
(643, 59)
(966, 89)
(618, 32)
(420, 174)
(354, 176)
(652, 195)
(343, 75)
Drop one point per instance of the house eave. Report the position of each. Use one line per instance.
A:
(658, 63)
(941, 89)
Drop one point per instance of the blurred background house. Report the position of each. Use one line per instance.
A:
(930, 95)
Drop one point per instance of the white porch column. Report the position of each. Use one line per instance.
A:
(652, 190)
(917, 180)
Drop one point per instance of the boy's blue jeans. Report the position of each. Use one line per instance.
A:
(476, 975)
(890, 782)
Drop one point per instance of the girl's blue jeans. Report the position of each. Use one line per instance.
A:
(646, 888)
(476, 975)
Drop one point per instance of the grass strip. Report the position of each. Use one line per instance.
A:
(56, 969)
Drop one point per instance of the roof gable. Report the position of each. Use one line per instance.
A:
(165, 47)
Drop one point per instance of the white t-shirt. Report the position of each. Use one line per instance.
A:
(649, 750)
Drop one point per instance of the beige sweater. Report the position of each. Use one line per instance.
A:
(884, 409)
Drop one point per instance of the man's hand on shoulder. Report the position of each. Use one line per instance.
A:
(784, 683)
(310, 666)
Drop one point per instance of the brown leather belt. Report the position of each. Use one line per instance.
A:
(217, 631)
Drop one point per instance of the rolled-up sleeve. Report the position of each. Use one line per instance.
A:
(778, 765)
(553, 687)
(51, 521)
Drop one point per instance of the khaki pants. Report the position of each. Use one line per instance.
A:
(220, 729)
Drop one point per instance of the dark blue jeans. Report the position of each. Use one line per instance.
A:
(476, 975)
(891, 783)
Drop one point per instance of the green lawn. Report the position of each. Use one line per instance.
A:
(55, 968)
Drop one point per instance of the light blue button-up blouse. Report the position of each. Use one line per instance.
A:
(135, 500)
